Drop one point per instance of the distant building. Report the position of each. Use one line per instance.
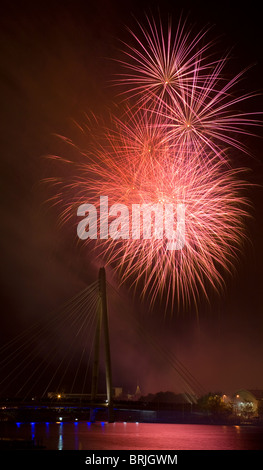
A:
(138, 393)
(247, 401)
(117, 392)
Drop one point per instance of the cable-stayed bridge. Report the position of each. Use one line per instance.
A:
(71, 348)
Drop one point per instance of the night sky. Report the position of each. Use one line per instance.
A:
(54, 67)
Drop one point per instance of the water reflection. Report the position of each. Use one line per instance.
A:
(76, 435)
(33, 431)
(134, 435)
(60, 437)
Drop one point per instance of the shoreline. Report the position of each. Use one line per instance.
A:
(124, 416)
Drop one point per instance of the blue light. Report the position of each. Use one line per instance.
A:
(18, 425)
(102, 423)
(88, 423)
(32, 430)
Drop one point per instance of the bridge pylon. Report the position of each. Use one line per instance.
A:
(102, 327)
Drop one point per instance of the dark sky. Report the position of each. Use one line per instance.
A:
(54, 67)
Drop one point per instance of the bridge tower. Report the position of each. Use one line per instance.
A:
(102, 327)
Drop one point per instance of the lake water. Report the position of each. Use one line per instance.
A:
(82, 435)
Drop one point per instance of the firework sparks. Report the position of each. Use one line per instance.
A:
(160, 65)
(215, 211)
(167, 148)
(176, 76)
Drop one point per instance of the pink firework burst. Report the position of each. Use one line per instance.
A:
(168, 150)
(160, 65)
(176, 76)
(133, 168)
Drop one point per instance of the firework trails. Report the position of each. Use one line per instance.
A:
(168, 152)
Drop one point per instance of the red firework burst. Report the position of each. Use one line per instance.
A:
(215, 210)
(176, 76)
(166, 150)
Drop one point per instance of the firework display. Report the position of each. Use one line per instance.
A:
(169, 151)
(180, 78)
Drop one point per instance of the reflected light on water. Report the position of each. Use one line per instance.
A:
(32, 430)
(72, 435)
(60, 437)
